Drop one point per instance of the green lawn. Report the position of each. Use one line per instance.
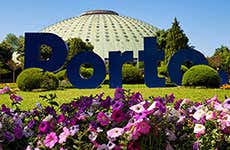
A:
(195, 94)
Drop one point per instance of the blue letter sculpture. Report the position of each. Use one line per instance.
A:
(116, 61)
(33, 42)
(151, 57)
(180, 57)
(73, 70)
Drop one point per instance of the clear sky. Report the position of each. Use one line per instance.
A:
(205, 22)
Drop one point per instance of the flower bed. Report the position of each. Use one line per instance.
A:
(126, 121)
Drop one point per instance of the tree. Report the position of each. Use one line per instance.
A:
(5, 55)
(221, 59)
(175, 40)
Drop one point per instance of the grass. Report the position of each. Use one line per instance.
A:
(195, 94)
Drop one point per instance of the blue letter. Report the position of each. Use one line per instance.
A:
(151, 56)
(223, 76)
(174, 66)
(33, 41)
(116, 60)
(73, 70)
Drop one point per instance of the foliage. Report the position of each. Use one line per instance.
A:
(201, 75)
(172, 40)
(35, 78)
(61, 75)
(45, 52)
(131, 74)
(86, 72)
(221, 59)
(76, 45)
(125, 121)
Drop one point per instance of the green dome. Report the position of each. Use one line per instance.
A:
(105, 30)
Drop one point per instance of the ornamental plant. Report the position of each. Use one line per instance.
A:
(125, 121)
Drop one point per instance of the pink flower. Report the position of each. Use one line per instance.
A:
(210, 115)
(115, 132)
(50, 140)
(199, 128)
(64, 135)
(103, 119)
(118, 116)
(143, 127)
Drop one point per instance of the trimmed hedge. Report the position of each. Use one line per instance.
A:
(201, 75)
(131, 74)
(35, 78)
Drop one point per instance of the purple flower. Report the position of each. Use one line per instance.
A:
(43, 127)
(119, 93)
(9, 136)
(118, 105)
(106, 103)
(15, 98)
(50, 110)
(31, 123)
(162, 108)
(195, 146)
(136, 98)
(133, 146)
(227, 104)
(170, 98)
(18, 132)
(6, 89)
(118, 116)
(177, 104)
(5, 109)
(61, 118)
(103, 119)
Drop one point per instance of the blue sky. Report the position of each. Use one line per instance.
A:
(205, 22)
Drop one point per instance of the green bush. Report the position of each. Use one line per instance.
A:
(49, 81)
(201, 75)
(35, 78)
(131, 74)
(61, 75)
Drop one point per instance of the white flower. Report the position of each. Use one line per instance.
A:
(111, 145)
(138, 108)
(103, 147)
(39, 105)
(199, 114)
(93, 136)
(28, 147)
(115, 132)
(199, 128)
(48, 118)
(73, 130)
(152, 106)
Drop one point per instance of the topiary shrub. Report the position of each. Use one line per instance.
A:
(131, 74)
(35, 78)
(49, 81)
(201, 75)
